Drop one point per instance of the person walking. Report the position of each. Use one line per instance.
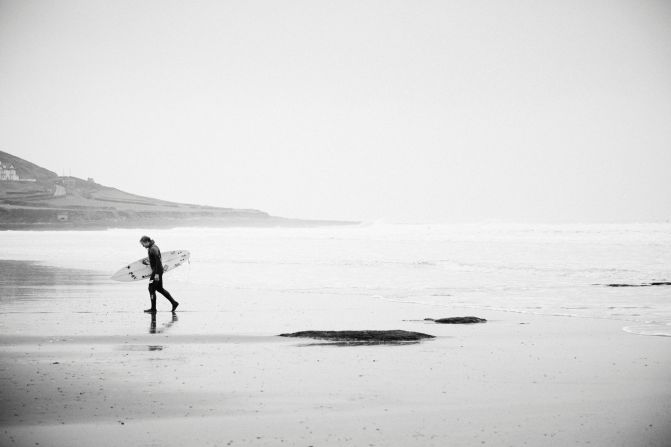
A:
(156, 277)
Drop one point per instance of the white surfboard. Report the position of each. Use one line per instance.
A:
(141, 269)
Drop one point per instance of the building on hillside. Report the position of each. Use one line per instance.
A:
(7, 172)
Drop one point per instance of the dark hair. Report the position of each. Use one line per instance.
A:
(144, 239)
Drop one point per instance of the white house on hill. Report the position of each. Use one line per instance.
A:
(7, 172)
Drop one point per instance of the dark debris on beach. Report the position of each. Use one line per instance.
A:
(647, 284)
(363, 336)
(458, 320)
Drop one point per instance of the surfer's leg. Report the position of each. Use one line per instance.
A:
(152, 309)
(152, 297)
(165, 293)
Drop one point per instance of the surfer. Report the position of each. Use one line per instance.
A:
(156, 277)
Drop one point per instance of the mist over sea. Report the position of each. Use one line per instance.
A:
(539, 269)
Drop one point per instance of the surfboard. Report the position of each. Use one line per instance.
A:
(140, 269)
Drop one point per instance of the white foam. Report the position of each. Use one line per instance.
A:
(659, 329)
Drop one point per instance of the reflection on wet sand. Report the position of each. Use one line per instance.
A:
(17, 276)
(141, 347)
(164, 327)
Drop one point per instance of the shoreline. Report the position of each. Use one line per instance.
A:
(35, 275)
(171, 223)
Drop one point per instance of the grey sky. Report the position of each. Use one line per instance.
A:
(398, 110)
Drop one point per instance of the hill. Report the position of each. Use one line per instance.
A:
(41, 199)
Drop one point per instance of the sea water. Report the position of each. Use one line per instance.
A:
(541, 269)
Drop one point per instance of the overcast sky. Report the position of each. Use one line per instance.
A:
(397, 110)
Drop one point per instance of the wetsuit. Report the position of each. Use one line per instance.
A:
(156, 278)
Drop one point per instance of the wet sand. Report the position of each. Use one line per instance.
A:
(89, 368)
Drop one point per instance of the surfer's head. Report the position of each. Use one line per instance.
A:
(146, 241)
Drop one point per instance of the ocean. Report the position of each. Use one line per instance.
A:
(269, 278)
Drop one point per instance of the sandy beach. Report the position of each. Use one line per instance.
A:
(111, 376)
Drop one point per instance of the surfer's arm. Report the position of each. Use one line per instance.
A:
(153, 261)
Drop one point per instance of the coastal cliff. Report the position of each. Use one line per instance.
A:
(37, 198)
